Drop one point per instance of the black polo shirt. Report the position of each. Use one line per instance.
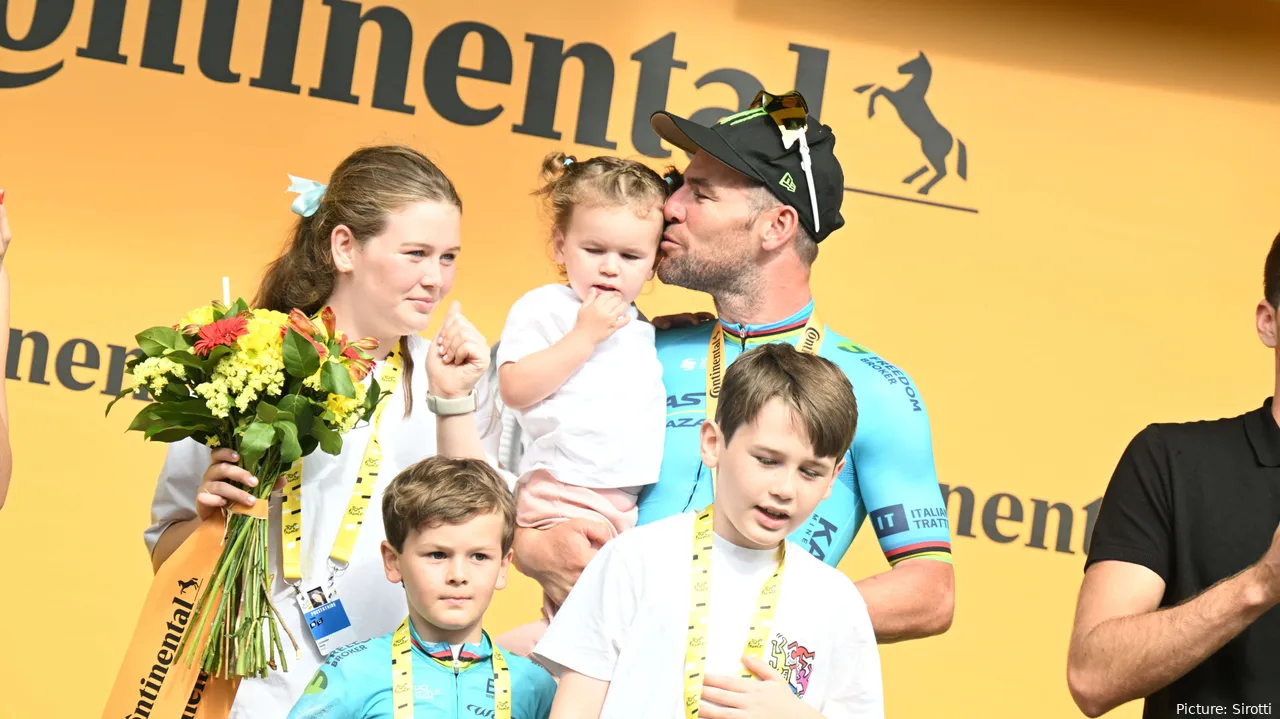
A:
(1197, 503)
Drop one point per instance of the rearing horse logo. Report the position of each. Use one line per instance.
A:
(935, 140)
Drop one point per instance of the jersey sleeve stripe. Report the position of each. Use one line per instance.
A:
(933, 550)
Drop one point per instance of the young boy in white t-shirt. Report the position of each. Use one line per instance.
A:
(656, 628)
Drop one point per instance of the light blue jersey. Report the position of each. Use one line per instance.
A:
(355, 683)
(888, 473)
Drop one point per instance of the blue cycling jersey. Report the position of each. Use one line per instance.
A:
(888, 473)
(355, 683)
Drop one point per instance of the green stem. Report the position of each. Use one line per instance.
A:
(238, 645)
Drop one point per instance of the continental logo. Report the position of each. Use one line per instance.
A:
(717, 368)
(149, 685)
(936, 141)
(78, 364)
(811, 337)
(431, 56)
(1006, 518)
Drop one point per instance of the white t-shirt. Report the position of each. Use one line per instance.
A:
(604, 427)
(627, 619)
(374, 605)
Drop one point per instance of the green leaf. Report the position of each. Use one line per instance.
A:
(371, 399)
(304, 418)
(162, 433)
(145, 419)
(237, 307)
(257, 439)
(308, 443)
(290, 450)
(123, 393)
(174, 392)
(330, 441)
(301, 359)
(335, 379)
(177, 410)
(184, 357)
(215, 355)
(300, 411)
(158, 339)
(266, 412)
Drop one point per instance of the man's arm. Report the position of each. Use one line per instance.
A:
(892, 461)
(1123, 648)
(555, 557)
(914, 599)
(578, 696)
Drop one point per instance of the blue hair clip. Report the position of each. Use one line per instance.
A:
(668, 179)
(568, 161)
(309, 194)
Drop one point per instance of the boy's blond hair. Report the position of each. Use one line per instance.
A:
(813, 387)
(446, 490)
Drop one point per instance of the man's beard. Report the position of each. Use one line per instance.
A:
(714, 278)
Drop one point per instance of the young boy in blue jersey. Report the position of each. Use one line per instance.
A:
(719, 616)
(449, 526)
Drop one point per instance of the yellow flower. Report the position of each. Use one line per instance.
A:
(346, 410)
(199, 316)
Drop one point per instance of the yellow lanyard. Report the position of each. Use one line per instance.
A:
(361, 493)
(695, 653)
(402, 677)
(810, 342)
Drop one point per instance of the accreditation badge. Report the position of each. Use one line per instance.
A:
(327, 620)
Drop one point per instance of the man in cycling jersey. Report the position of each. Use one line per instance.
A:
(763, 189)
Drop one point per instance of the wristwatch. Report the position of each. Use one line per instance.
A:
(449, 407)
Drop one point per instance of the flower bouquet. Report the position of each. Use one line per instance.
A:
(273, 387)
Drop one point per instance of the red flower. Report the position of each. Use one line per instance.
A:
(303, 325)
(357, 363)
(220, 334)
(330, 321)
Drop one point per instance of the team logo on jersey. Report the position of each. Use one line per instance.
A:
(890, 520)
(319, 683)
(853, 347)
(688, 363)
(793, 662)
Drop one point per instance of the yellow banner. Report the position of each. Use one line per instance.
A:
(1056, 218)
